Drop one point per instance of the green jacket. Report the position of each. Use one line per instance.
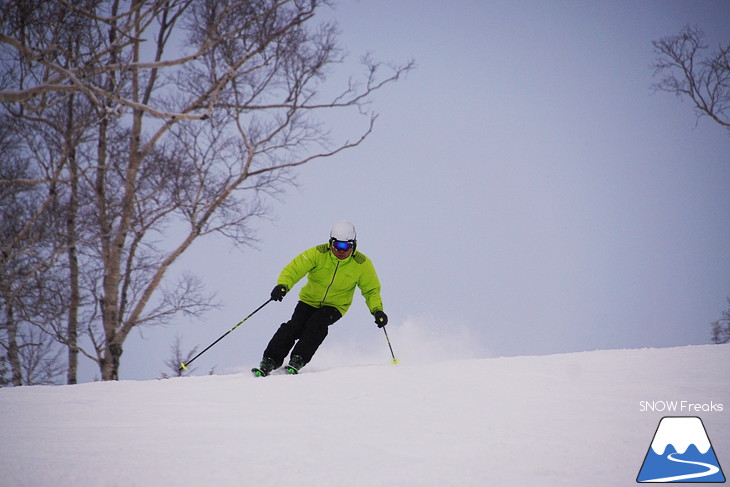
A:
(331, 282)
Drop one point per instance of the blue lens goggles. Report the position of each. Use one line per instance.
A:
(342, 246)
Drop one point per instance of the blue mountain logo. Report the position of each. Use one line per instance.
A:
(681, 452)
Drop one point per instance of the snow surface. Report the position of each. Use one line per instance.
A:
(564, 420)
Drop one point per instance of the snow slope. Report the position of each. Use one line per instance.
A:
(565, 420)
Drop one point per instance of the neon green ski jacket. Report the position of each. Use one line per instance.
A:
(331, 281)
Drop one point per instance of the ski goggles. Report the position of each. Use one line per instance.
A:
(342, 246)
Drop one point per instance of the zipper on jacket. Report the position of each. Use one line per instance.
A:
(326, 291)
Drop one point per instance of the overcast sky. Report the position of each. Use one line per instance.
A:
(524, 192)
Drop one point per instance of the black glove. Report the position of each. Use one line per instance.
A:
(278, 293)
(381, 319)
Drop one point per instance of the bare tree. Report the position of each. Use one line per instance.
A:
(721, 327)
(27, 257)
(196, 111)
(687, 71)
(40, 358)
(177, 357)
(705, 79)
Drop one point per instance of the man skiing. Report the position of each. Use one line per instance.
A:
(333, 270)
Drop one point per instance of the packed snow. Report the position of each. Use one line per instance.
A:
(575, 419)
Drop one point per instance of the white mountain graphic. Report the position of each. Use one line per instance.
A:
(680, 432)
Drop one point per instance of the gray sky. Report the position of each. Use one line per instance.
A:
(524, 190)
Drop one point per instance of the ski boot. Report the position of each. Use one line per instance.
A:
(264, 368)
(295, 363)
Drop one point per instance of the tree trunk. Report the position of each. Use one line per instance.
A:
(11, 329)
(13, 352)
(110, 362)
(73, 260)
(113, 240)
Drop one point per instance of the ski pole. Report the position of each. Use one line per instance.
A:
(184, 365)
(395, 360)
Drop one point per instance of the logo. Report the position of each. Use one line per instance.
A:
(680, 452)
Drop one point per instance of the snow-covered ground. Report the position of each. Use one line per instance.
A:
(576, 419)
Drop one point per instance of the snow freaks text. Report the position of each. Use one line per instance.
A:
(683, 407)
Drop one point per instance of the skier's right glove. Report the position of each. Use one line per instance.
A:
(381, 319)
(278, 293)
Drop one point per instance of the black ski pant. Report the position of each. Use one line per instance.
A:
(307, 327)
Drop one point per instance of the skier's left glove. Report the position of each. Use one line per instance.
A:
(381, 319)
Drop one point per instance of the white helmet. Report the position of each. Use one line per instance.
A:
(343, 236)
(343, 231)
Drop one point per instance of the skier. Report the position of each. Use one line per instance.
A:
(333, 270)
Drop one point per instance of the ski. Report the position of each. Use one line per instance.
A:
(291, 370)
(259, 373)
